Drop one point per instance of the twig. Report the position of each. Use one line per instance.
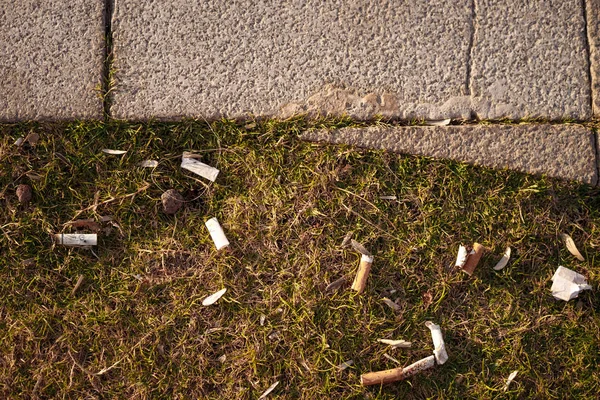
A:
(94, 206)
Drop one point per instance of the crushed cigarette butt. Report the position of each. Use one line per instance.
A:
(268, 391)
(391, 304)
(114, 152)
(439, 350)
(510, 379)
(396, 343)
(199, 168)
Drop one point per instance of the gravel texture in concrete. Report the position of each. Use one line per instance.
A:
(593, 26)
(51, 59)
(563, 151)
(529, 59)
(212, 58)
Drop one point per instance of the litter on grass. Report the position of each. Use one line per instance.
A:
(199, 168)
(472, 258)
(268, 391)
(391, 304)
(567, 284)
(571, 246)
(366, 261)
(149, 164)
(114, 152)
(345, 365)
(396, 343)
(510, 379)
(461, 257)
(216, 233)
(388, 197)
(222, 359)
(396, 374)
(213, 298)
(76, 239)
(438, 122)
(439, 350)
(262, 319)
(19, 141)
(504, 260)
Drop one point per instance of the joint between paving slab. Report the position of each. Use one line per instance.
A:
(470, 50)
(588, 52)
(107, 77)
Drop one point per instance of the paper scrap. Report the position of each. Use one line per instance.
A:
(149, 164)
(504, 260)
(438, 343)
(199, 168)
(216, 233)
(510, 379)
(76, 239)
(438, 122)
(268, 391)
(396, 343)
(567, 284)
(461, 257)
(114, 152)
(212, 299)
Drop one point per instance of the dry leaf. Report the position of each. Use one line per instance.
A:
(396, 343)
(212, 299)
(269, 390)
(571, 246)
(32, 138)
(338, 283)
(427, 299)
(360, 248)
(510, 379)
(504, 260)
(114, 152)
(391, 304)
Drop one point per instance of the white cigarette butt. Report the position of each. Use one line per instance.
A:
(216, 233)
(76, 239)
(197, 167)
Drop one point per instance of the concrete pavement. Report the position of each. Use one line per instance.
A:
(415, 59)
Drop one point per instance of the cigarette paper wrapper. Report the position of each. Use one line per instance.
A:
(216, 233)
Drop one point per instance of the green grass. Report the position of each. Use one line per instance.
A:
(286, 206)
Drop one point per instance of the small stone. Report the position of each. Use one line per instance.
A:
(24, 193)
(172, 201)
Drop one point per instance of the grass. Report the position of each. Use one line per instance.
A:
(286, 206)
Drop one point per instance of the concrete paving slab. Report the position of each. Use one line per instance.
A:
(51, 59)
(593, 29)
(563, 151)
(530, 60)
(212, 58)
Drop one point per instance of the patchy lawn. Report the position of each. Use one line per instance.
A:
(136, 328)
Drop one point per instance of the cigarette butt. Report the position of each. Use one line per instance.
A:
(360, 281)
(76, 239)
(473, 258)
(216, 233)
(396, 374)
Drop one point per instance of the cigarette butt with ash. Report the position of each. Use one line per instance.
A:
(396, 374)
